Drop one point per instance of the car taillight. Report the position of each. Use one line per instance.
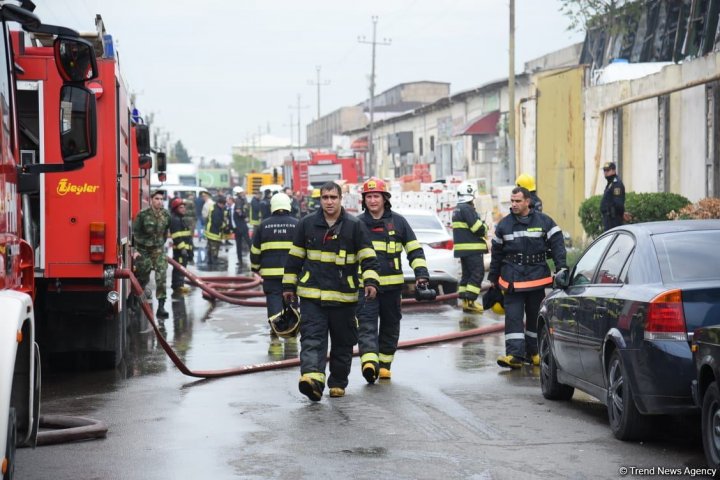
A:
(97, 241)
(665, 318)
(447, 244)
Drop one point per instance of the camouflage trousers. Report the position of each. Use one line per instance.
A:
(148, 261)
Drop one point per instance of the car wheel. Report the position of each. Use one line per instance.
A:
(626, 422)
(10, 446)
(711, 425)
(551, 388)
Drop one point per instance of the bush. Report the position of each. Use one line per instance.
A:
(640, 207)
(705, 208)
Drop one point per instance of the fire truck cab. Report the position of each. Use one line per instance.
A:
(316, 168)
(73, 136)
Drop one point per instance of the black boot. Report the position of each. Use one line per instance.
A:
(161, 312)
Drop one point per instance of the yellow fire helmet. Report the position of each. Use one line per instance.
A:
(526, 181)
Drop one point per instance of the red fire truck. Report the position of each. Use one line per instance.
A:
(319, 167)
(83, 217)
(69, 129)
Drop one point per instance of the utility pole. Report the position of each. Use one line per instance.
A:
(318, 83)
(299, 107)
(292, 131)
(511, 96)
(370, 162)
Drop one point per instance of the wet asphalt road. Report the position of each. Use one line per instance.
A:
(449, 412)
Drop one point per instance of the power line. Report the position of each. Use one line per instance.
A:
(370, 161)
(318, 83)
(299, 108)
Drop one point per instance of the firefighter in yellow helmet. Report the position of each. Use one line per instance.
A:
(528, 182)
(314, 203)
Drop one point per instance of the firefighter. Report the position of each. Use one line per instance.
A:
(469, 245)
(389, 233)
(314, 203)
(239, 221)
(612, 205)
(181, 236)
(150, 231)
(216, 228)
(255, 215)
(528, 182)
(270, 247)
(322, 269)
(519, 267)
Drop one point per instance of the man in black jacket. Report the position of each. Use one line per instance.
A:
(612, 205)
(239, 217)
(519, 266)
(389, 233)
(322, 269)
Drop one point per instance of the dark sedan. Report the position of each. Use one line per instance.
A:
(618, 326)
(706, 347)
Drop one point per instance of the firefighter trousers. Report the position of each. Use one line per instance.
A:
(213, 251)
(521, 341)
(148, 261)
(272, 288)
(316, 322)
(378, 344)
(178, 279)
(473, 271)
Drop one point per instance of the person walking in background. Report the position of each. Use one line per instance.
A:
(255, 211)
(519, 267)
(469, 246)
(217, 226)
(528, 182)
(389, 234)
(199, 206)
(150, 231)
(612, 205)
(322, 269)
(240, 226)
(265, 204)
(182, 244)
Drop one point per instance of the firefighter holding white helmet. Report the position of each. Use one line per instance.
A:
(271, 243)
(389, 233)
(469, 245)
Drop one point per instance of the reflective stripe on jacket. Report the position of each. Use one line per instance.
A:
(271, 243)
(323, 261)
(389, 234)
(180, 234)
(217, 224)
(468, 231)
(519, 251)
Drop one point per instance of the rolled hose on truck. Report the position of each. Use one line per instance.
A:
(292, 362)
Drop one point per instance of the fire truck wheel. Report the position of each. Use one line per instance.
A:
(10, 447)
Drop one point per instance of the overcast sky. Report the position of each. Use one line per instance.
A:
(214, 72)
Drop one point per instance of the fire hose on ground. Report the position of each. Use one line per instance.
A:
(260, 367)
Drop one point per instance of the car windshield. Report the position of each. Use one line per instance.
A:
(423, 222)
(688, 256)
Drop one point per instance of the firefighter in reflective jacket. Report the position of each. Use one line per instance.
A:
(469, 245)
(322, 269)
(182, 244)
(271, 243)
(216, 228)
(519, 266)
(389, 233)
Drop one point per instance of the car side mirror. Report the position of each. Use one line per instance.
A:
(75, 59)
(562, 279)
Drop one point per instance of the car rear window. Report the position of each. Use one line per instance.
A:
(689, 256)
(425, 222)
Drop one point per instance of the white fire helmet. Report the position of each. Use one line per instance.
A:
(466, 192)
(280, 201)
(238, 190)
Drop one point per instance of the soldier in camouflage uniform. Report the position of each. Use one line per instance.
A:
(150, 232)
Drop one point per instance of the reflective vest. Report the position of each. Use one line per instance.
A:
(323, 261)
(217, 224)
(180, 233)
(271, 243)
(468, 231)
(389, 235)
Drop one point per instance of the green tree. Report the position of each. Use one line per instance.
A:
(244, 164)
(587, 15)
(180, 154)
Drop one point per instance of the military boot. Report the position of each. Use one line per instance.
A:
(161, 312)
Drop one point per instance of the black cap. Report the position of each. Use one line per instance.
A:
(609, 166)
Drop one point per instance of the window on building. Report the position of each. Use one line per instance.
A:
(432, 143)
(420, 146)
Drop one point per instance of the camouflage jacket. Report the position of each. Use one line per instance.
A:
(150, 229)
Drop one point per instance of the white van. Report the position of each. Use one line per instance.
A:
(182, 191)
